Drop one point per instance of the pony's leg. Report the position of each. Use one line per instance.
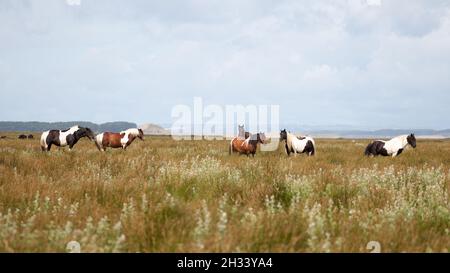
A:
(71, 146)
(287, 149)
(49, 146)
(98, 145)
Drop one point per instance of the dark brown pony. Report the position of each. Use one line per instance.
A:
(118, 140)
(247, 146)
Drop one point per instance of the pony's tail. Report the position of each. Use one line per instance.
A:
(43, 144)
(368, 148)
(313, 151)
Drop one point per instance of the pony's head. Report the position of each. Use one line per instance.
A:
(141, 134)
(85, 132)
(134, 132)
(241, 131)
(411, 140)
(283, 135)
(261, 137)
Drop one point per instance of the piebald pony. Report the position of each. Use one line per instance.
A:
(296, 145)
(393, 147)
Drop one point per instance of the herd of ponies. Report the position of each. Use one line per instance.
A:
(244, 144)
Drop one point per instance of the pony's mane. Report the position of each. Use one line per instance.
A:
(131, 131)
(400, 137)
(71, 128)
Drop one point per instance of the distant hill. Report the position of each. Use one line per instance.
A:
(153, 129)
(35, 126)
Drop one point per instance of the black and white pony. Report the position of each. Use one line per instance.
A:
(65, 137)
(393, 147)
(297, 145)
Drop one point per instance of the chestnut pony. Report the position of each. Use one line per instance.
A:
(118, 140)
(247, 146)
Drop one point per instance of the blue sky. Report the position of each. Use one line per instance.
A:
(366, 64)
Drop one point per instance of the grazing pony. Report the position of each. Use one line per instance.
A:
(297, 145)
(242, 133)
(30, 136)
(65, 137)
(118, 140)
(22, 137)
(247, 146)
(393, 147)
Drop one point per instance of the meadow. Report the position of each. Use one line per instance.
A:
(163, 195)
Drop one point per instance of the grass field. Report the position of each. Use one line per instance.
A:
(191, 196)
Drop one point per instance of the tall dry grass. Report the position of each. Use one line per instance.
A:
(190, 196)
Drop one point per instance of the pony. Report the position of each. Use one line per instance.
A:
(393, 147)
(62, 138)
(296, 145)
(242, 133)
(22, 137)
(118, 140)
(30, 136)
(247, 146)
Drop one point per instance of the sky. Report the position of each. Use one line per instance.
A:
(367, 64)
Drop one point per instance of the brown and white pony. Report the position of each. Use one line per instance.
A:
(247, 146)
(118, 140)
